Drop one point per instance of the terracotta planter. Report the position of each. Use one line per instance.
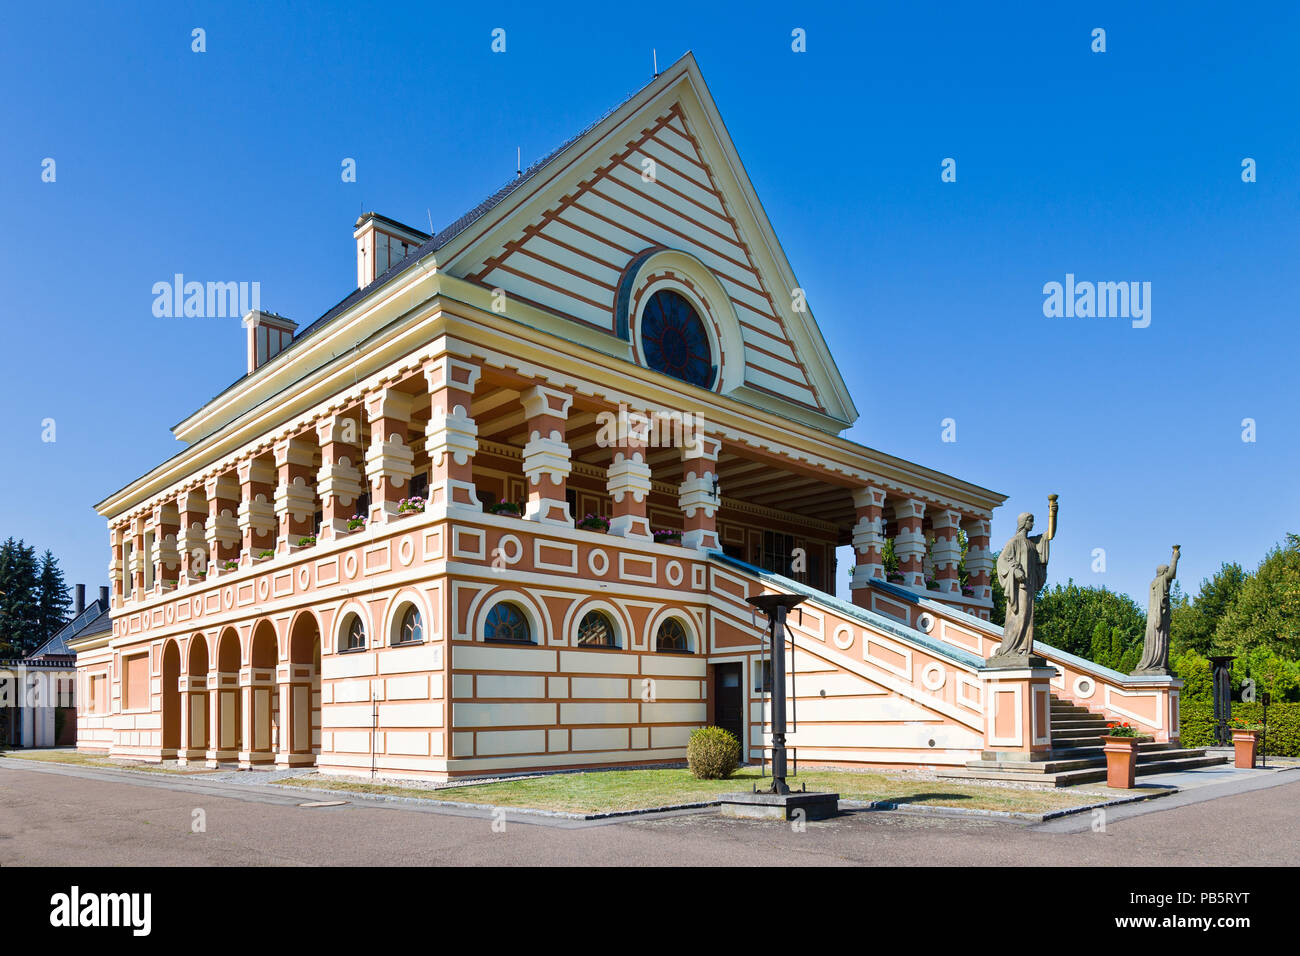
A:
(1244, 745)
(1121, 761)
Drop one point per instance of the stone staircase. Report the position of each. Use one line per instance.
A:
(1077, 755)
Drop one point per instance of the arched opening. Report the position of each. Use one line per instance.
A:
(196, 673)
(264, 702)
(300, 740)
(171, 700)
(228, 720)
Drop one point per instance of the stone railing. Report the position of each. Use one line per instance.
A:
(1150, 703)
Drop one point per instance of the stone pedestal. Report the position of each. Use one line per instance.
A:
(1017, 710)
(780, 806)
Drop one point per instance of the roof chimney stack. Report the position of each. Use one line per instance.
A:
(382, 242)
(268, 335)
(103, 597)
(81, 599)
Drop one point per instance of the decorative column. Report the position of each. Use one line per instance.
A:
(166, 559)
(1017, 713)
(245, 691)
(213, 754)
(699, 496)
(909, 542)
(946, 551)
(628, 482)
(389, 459)
(979, 561)
(191, 547)
(116, 564)
(338, 483)
(451, 438)
(222, 529)
(868, 542)
(256, 514)
(546, 455)
(295, 500)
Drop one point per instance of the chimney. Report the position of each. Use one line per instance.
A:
(382, 242)
(81, 599)
(268, 335)
(103, 598)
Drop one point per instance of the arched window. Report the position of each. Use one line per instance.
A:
(671, 636)
(410, 627)
(596, 630)
(353, 635)
(506, 622)
(675, 341)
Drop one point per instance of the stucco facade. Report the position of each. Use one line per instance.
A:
(618, 334)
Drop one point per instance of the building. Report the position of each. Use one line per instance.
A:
(38, 706)
(500, 508)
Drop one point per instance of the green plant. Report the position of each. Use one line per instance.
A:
(505, 508)
(666, 535)
(1116, 729)
(1242, 723)
(231, 565)
(356, 521)
(712, 753)
(268, 553)
(594, 522)
(1282, 739)
(414, 503)
(306, 540)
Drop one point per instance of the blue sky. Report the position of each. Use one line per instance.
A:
(1115, 166)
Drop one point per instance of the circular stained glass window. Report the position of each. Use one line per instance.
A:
(674, 340)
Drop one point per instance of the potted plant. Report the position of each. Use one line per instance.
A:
(411, 505)
(894, 577)
(266, 555)
(931, 584)
(357, 523)
(230, 566)
(1245, 742)
(1120, 744)
(505, 508)
(306, 541)
(594, 523)
(667, 536)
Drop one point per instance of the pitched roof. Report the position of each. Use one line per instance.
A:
(93, 619)
(437, 240)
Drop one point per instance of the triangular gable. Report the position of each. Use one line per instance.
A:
(567, 243)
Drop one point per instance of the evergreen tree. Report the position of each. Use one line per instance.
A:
(1066, 616)
(52, 598)
(1192, 622)
(18, 594)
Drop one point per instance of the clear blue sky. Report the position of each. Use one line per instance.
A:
(1117, 166)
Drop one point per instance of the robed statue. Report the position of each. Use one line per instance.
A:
(1022, 571)
(1155, 649)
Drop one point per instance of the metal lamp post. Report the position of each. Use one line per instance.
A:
(776, 607)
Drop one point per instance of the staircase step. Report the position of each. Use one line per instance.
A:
(1065, 773)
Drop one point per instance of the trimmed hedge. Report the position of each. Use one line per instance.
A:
(712, 753)
(1197, 725)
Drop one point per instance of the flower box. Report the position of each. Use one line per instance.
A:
(1121, 761)
(1245, 744)
(667, 537)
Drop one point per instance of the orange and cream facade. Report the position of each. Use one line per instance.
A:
(501, 508)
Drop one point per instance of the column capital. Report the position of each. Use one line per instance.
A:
(447, 371)
(542, 400)
(868, 496)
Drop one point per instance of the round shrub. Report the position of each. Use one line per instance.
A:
(712, 753)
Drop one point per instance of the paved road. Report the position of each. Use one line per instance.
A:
(63, 816)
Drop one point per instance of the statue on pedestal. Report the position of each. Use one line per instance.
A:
(1155, 648)
(1022, 571)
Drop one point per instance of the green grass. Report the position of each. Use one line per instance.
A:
(80, 759)
(611, 790)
